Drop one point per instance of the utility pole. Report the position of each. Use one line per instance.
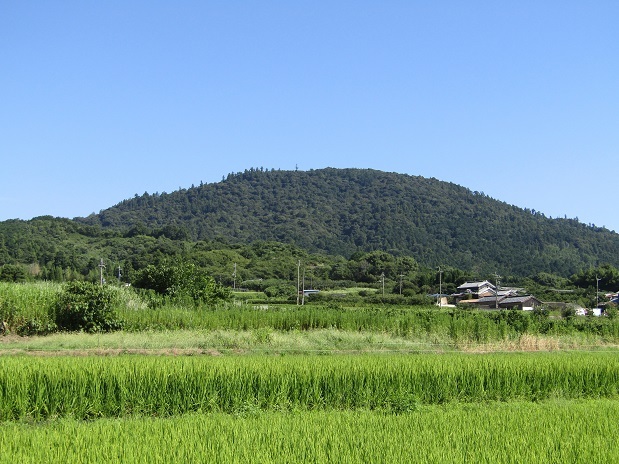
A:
(597, 291)
(234, 278)
(303, 288)
(119, 273)
(382, 278)
(101, 267)
(440, 287)
(496, 291)
(401, 275)
(298, 281)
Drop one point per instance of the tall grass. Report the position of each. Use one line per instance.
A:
(27, 309)
(39, 388)
(27, 303)
(552, 432)
(456, 325)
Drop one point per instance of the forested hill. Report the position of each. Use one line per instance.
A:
(342, 211)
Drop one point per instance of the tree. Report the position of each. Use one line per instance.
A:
(608, 277)
(86, 306)
(178, 279)
(12, 273)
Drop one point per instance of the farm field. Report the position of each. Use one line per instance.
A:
(307, 384)
(513, 432)
(40, 388)
(501, 407)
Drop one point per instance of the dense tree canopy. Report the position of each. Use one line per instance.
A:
(345, 211)
(253, 229)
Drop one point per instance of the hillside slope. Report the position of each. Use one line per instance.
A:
(342, 211)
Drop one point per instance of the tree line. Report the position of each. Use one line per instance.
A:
(61, 250)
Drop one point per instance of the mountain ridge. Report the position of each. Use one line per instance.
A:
(344, 211)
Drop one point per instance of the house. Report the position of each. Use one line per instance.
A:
(525, 303)
(474, 290)
(486, 302)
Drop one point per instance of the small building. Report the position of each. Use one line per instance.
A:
(474, 290)
(524, 303)
(486, 302)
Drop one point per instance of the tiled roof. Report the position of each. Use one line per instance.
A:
(490, 299)
(517, 299)
(475, 284)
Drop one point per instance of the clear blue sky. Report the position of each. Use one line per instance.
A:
(103, 100)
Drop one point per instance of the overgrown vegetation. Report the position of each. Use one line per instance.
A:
(86, 306)
(180, 280)
(208, 270)
(37, 308)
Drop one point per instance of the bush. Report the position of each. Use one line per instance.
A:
(568, 312)
(611, 311)
(541, 313)
(34, 327)
(180, 280)
(275, 291)
(86, 306)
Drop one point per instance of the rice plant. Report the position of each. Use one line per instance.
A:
(516, 432)
(91, 387)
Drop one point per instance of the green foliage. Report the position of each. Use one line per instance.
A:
(282, 290)
(86, 306)
(454, 327)
(25, 307)
(180, 279)
(35, 326)
(345, 226)
(568, 312)
(399, 226)
(346, 211)
(13, 273)
(607, 274)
